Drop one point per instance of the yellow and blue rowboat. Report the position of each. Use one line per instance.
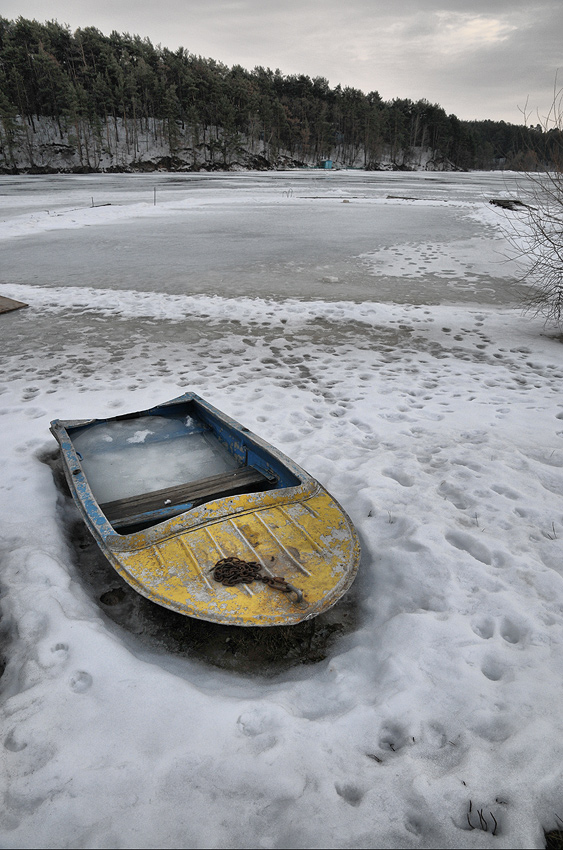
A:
(169, 492)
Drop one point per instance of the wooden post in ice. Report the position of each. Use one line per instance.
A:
(154, 203)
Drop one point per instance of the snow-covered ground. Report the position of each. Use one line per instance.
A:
(364, 324)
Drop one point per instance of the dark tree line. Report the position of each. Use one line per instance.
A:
(87, 79)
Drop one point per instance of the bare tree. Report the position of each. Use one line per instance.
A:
(536, 232)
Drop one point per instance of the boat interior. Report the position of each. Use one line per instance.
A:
(144, 468)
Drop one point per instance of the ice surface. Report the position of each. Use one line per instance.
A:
(288, 235)
(131, 457)
(433, 416)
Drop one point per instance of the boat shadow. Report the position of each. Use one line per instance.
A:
(263, 651)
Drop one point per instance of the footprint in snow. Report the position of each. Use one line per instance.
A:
(477, 550)
(350, 793)
(392, 737)
(80, 682)
(502, 490)
(491, 727)
(12, 743)
(400, 477)
(455, 496)
(483, 627)
(509, 631)
(493, 669)
(30, 393)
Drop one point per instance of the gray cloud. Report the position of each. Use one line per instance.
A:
(477, 58)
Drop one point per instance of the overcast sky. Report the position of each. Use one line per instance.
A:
(476, 58)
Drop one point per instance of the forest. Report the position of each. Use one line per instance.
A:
(85, 101)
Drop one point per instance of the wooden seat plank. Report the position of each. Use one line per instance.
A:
(203, 489)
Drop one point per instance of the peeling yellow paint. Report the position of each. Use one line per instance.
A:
(310, 542)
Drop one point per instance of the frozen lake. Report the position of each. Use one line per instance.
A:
(399, 237)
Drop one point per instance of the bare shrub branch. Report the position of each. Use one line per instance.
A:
(535, 232)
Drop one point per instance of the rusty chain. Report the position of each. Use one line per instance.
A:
(232, 571)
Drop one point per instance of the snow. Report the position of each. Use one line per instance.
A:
(375, 342)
